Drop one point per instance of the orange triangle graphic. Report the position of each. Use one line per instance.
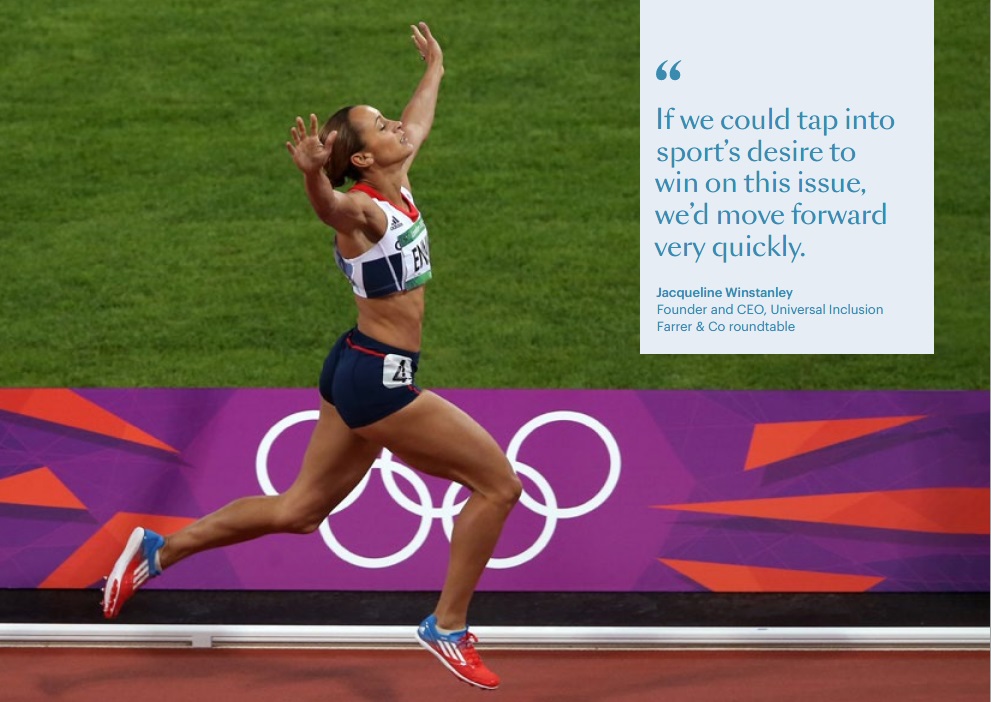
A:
(775, 442)
(65, 407)
(930, 510)
(95, 558)
(39, 488)
(726, 577)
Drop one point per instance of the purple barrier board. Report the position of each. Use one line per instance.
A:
(727, 491)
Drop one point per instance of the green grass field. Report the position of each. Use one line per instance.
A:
(154, 231)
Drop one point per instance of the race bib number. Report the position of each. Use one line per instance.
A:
(397, 371)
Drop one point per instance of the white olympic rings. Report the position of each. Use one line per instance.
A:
(389, 468)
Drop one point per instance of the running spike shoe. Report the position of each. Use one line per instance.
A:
(135, 565)
(457, 652)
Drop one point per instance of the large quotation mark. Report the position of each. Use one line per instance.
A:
(674, 72)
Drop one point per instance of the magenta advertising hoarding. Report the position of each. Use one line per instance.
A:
(728, 491)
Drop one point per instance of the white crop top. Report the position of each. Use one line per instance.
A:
(399, 261)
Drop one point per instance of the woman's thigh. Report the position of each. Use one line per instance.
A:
(335, 461)
(436, 437)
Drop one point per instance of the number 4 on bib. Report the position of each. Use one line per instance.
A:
(397, 371)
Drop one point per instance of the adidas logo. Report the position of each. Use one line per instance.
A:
(395, 223)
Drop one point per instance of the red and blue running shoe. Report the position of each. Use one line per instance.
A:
(136, 564)
(457, 652)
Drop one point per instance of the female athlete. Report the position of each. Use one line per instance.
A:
(369, 395)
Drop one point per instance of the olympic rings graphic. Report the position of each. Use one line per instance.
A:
(389, 468)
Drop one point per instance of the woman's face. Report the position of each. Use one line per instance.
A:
(385, 139)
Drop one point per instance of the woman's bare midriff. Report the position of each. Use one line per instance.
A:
(396, 320)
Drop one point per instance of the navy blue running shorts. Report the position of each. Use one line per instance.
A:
(367, 380)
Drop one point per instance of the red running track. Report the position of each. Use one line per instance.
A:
(410, 675)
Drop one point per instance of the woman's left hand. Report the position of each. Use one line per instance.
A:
(428, 47)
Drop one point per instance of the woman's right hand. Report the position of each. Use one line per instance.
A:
(308, 152)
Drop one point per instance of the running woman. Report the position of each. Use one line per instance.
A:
(369, 395)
